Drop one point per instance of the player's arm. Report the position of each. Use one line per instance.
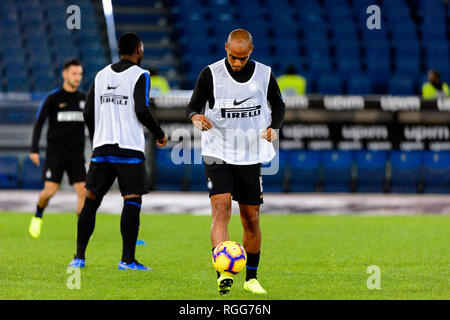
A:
(203, 92)
(278, 109)
(142, 108)
(41, 116)
(89, 111)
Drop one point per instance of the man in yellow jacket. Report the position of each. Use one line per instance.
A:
(291, 83)
(434, 88)
(160, 85)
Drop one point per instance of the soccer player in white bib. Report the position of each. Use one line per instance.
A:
(116, 111)
(238, 128)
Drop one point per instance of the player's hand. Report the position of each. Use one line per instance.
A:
(201, 122)
(34, 157)
(269, 134)
(162, 142)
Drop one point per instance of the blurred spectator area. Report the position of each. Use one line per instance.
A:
(150, 20)
(327, 40)
(35, 42)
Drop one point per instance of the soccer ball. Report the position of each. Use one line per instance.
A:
(229, 258)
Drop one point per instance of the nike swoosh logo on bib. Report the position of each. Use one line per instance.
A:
(236, 103)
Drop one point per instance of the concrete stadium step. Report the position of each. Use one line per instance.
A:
(150, 19)
(197, 203)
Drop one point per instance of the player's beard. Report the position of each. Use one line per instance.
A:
(74, 84)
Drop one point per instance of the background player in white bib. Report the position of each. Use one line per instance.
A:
(238, 128)
(116, 111)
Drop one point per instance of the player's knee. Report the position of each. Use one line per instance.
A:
(251, 223)
(92, 196)
(79, 189)
(49, 192)
(222, 207)
(132, 196)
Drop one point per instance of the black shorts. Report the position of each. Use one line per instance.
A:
(132, 178)
(55, 165)
(244, 182)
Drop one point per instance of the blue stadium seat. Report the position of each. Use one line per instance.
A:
(28, 3)
(436, 50)
(43, 83)
(395, 14)
(316, 38)
(345, 30)
(437, 172)
(406, 171)
(317, 49)
(275, 183)
(197, 179)
(329, 84)
(287, 48)
(337, 13)
(299, 4)
(379, 71)
(9, 172)
(335, 3)
(377, 50)
(359, 84)
(434, 13)
(13, 57)
(373, 36)
(433, 33)
(17, 83)
(309, 13)
(42, 69)
(404, 31)
(282, 15)
(255, 13)
(371, 170)
(348, 67)
(169, 176)
(32, 175)
(285, 32)
(401, 85)
(304, 170)
(410, 68)
(347, 49)
(407, 48)
(337, 166)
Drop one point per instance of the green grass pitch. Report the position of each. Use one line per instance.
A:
(303, 257)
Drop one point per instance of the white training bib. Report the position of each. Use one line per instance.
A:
(239, 115)
(115, 117)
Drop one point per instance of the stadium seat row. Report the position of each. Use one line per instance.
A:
(14, 174)
(298, 171)
(329, 171)
(34, 43)
(322, 37)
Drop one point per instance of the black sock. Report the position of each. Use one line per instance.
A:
(252, 265)
(39, 212)
(218, 273)
(129, 227)
(86, 225)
